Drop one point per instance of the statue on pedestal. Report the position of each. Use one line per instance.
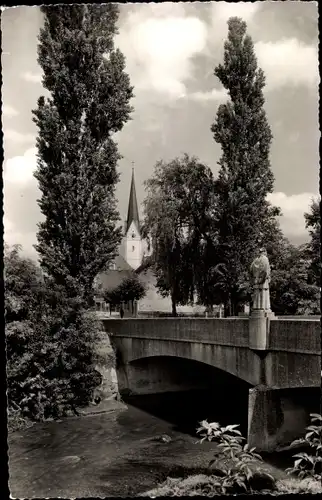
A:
(260, 276)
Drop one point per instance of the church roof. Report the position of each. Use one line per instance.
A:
(146, 264)
(133, 211)
(121, 264)
(112, 278)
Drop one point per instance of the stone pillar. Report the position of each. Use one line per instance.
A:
(277, 417)
(135, 306)
(258, 330)
(259, 326)
(265, 418)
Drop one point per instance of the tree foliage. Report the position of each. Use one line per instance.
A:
(23, 285)
(128, 290)
(292, 291)
(245, 177)
(77, 155)
(313, 224)
(178, 214)
(49, 340)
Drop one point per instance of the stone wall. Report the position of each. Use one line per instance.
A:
(106, 366)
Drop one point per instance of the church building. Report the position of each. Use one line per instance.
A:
(133, 257)
(132, 245)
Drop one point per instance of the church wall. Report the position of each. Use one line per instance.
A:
(133, 247)
(153, 302)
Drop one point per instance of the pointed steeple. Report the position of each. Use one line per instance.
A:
(133, 212)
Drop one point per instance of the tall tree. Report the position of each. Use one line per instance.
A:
(245, 177)
(77, 156)
(313, 224)
(177, 218)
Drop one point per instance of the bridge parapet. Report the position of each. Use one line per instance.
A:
(226, 331)
(302, 336)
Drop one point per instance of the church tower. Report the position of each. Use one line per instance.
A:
(133, 240)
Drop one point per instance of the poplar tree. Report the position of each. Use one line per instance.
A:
(244, 216)
(89, 94)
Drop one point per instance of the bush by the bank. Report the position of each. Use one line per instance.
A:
(50, 368)
(50, 345)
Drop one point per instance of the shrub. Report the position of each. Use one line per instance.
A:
(234, 472)
(49, 345)
(309, 465)
(52, 373)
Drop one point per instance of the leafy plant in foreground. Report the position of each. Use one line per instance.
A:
(235, 471)
(307, 465)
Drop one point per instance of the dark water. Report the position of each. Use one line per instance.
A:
(120, 453)
(184, 410)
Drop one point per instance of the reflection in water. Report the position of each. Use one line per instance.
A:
(184, 410)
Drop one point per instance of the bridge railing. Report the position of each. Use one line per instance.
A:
(284, 335)
(295, 336)
(228, 331)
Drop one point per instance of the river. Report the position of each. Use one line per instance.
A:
(120, 452)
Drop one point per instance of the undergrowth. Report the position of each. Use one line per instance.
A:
(239, 470)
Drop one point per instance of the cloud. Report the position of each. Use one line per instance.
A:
(222, 11)
(12, 237)
(293, 208)
(288, 62)
(9, 111)
(32, 77)
(19, 169)
(212, 95)
(159, 46)
(17, 137)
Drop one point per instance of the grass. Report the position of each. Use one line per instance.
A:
(18, 423)
(295, 485)
(206, 485)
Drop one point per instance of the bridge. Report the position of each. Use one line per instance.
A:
(278, 360)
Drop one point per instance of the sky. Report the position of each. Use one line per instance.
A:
(171, 50)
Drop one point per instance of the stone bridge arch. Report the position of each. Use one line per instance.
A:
(235, 361)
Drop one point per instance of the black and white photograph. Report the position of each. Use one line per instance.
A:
(161, 249)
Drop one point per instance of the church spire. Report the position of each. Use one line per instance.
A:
(133, 212)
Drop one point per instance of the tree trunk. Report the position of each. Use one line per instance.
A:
(228, 307)
(174, 307)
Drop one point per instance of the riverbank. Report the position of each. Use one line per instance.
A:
(110, 450)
